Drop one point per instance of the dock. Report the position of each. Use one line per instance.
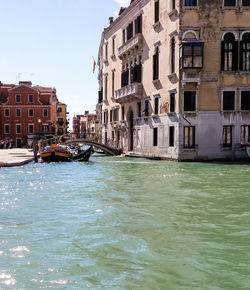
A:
(15, 157)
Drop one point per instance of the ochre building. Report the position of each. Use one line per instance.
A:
(174, 79)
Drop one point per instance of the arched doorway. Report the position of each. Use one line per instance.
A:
(131, 131)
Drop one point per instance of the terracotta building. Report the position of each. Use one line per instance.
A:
(174, 79)
(26, 111)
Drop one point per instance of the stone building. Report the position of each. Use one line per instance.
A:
(26, 111)
(174, 79)
(62, 120)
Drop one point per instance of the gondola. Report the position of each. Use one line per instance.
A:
(83, 155)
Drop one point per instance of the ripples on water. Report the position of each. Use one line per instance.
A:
(119, 223)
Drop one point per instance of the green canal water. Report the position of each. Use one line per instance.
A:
(118, 223)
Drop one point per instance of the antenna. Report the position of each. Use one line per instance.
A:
(19, 77)
(31, 75)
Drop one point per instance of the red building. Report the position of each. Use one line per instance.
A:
(26, 111)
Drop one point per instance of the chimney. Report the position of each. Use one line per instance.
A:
(27, 83)
(111, 20)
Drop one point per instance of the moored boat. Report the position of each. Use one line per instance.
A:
(83, 155)
(56, 153)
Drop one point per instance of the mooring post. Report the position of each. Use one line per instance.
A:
(35, 149)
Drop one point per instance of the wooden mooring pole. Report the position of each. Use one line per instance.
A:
(35, 149)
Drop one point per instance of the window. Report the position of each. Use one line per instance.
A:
(111, 116)
(18, 129)
(138, 24)
(31, 129)
(130, 29)
(156, 105)
(190, 3)
(123, 113)
(173, 4)
(156, 64)
(7, 128)
(116, 114)
(59, 110)
(189, 137)
(18, 98)
(18, 112)
(157, 10)
(245, 135)
(146, 108)
(113, 83)
(172, 102)
(124, 78)
(45, 128)
(246, 3)
(155, 137)
(171, 136)
(245, 100)
(192, 54)
(229, 3)
(245, 52)
(106, 51)
(113, 135)
(113, 45)
(172, 60)
(139, 109)
(31, 113)
(189, 101)
(227, 136)
(136, 72)
(45, 112)
(123, 36)
(106, 87)
(229, 53)
(31, 98)
(228, 101)
(6, 112)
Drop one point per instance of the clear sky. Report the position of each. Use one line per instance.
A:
(52, 43)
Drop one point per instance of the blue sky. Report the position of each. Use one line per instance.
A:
(52, 42)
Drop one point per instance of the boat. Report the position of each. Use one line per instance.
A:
(56, 153)
(83, 155)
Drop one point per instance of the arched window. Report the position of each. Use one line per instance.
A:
(229, 53)
(245, 52)
(172, 48)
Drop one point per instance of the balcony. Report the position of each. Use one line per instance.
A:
(129, 93)
(127, 48)
(191, 77)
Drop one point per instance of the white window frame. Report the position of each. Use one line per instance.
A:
(33, 113)
(16, 98)
(5, 112)
(20, 113)
(29, 99)
(20, 129)
(7, 124)
(31, 124)
(47, 113)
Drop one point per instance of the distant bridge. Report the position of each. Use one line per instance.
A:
(104, 147)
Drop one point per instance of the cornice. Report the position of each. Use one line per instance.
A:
(124, 17)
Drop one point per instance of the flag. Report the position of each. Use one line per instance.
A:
(94, 65)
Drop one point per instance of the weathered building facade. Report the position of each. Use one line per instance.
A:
(62, 120)
(174, 79)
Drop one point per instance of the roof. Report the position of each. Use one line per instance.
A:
(44, 89)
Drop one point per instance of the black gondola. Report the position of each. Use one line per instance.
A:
(83, 155)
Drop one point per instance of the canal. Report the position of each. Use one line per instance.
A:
(123, 223)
